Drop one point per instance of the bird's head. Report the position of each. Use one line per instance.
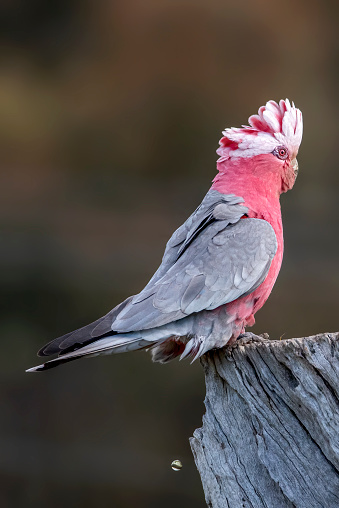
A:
(272, 139)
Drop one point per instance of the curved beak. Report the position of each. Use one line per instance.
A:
(295, 167)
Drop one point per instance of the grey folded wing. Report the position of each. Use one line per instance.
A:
(218, 260)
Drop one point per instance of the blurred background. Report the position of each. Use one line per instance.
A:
(111, 113)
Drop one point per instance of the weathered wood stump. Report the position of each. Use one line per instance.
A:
(270, 434)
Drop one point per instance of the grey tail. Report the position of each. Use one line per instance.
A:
(76, 339)
(51, 364)
(106, 345)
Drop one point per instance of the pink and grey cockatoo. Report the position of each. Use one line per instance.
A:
(220, 266)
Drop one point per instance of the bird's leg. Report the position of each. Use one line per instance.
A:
(247, 337)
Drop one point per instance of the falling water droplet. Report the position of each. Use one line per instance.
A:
(176, 465)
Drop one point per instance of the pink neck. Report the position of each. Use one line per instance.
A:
(255, 179)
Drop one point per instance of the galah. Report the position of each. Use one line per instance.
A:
(220, 266)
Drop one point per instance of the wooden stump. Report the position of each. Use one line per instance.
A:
(270, 434)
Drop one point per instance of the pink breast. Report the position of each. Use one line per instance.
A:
(243, 309)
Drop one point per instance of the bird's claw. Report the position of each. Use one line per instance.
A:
(248, 337)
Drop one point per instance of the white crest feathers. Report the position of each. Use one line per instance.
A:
(274, 125)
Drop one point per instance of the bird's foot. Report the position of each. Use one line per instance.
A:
(248, 337)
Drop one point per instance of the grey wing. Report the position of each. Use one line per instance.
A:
(225, 260)
(215, 208)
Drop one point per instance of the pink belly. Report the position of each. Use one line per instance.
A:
(243, 309)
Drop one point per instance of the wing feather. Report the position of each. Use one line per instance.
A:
(222, 263)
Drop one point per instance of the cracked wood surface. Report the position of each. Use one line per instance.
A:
(270, 434)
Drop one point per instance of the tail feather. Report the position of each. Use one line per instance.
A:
(107, 345)
(85, 335)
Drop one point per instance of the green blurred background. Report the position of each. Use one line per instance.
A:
(111, 112)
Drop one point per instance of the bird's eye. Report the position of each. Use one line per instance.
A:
(281, 152)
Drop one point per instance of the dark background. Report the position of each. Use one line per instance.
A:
(110, 116)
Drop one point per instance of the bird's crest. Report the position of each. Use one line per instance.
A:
(275, 124)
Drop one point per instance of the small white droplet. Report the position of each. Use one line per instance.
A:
(176, 465)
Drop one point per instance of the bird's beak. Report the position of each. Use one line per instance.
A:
(295, 167)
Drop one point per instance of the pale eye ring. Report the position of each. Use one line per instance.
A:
(281, 152)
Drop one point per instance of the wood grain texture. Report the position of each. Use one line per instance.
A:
(270, 434)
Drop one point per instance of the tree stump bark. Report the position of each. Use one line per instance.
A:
(270, 434)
